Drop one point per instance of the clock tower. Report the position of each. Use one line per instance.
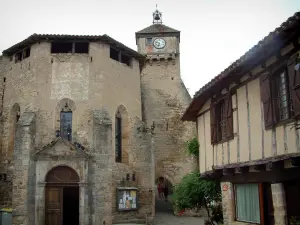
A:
(158, 41)
(165, 98)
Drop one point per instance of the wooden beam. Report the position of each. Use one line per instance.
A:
(241, 169)
(228, 171)
(257, 168)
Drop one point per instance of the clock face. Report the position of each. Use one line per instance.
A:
(159, 43)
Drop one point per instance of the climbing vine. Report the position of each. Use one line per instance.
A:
(193, 147)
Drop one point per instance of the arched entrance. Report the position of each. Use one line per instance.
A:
(62, 197)
(163, 201)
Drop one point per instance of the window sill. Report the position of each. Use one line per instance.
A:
(281, 123)
(243, 221)
(224, 140)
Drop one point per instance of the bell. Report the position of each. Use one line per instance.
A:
(157, 17)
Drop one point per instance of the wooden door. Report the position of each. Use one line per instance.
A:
(54, 205)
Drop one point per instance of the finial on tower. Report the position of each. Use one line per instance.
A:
(157, 16)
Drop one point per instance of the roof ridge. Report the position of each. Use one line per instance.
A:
(153, 28)
(251, 51)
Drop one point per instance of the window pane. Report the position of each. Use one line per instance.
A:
(118, 140)
(148, 41)
(247, 203)
(66, 125)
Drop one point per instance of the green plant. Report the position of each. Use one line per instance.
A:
(217, 213)
(294, 221)
(194, 193)
(193, 147)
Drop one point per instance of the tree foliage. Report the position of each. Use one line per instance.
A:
(193, 147)
(194, 193)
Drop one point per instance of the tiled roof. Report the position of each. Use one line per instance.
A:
(273, 37)
(157, 28)
(49, 37)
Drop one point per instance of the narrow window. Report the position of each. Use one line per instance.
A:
(118, 140)
(282, 97)
(66, 125)
(18, 57)
(26, 53)
(81, 47)
(221, 121)
(247, 203)
(61, 47)
(14, 118)
(148, 41)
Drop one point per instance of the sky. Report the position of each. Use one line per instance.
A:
(214, 33)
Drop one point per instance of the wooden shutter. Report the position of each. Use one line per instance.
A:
(213, 124)
(229, 116)
(294, 80)
(266, 98)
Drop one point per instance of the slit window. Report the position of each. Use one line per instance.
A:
(118, 140)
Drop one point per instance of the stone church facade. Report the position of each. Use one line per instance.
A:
(85, 120)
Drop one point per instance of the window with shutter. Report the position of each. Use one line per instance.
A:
(266, 98)
(294, 84)
(229, 114)
(281, 96)
(221, 120)
(213, 124)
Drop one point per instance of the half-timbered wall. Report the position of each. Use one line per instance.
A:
(251, 137)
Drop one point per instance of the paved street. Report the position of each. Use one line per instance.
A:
(165, 216)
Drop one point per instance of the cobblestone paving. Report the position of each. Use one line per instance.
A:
(165, 216)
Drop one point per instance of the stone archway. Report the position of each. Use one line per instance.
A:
(163, 204)
(62, 196)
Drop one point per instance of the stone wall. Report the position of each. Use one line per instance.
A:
(165, 98)
(43, 82)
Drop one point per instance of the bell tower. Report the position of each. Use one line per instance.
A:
(165, 98)
(158, 41)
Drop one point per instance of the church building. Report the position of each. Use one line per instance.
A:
(88, 125)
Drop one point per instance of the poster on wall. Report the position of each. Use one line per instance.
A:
(127, 199)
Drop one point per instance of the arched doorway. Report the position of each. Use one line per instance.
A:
(62, 197)
(163, 201)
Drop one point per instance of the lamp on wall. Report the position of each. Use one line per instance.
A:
(57, 133)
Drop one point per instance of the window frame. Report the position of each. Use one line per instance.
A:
(61, 125)
(118, 139)
(227, 133)
(275, 90)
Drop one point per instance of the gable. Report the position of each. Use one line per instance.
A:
(61, 148)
